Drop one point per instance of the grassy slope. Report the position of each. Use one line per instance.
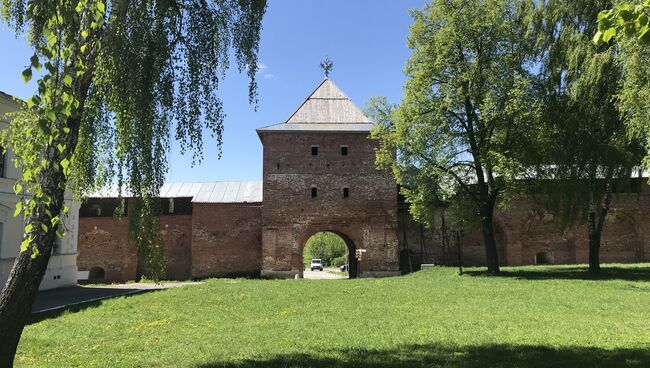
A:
(530, 317)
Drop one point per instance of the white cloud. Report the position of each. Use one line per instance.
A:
(261, 67)
(268, 76)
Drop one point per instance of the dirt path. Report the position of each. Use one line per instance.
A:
(323, 275)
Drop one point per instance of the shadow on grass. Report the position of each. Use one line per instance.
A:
(626, 273)
(525, 356)
(55, 302)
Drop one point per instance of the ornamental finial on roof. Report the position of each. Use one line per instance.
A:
(327, 66)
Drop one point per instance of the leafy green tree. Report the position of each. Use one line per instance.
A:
(626, 19)
(633, 99)
(325, 246)
(584, 144)
(119, 76)
(468, 111)
(632, 22)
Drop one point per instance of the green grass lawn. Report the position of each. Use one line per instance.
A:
(529, 317)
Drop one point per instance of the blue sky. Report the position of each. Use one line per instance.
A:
(366, 40)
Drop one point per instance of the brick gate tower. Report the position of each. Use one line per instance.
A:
(320, 175)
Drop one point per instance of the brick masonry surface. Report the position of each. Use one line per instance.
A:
(366, 219)
(226, 239)
(319, 174)
(103, 243)
(528, 234)
(253, 239)
(219, 239)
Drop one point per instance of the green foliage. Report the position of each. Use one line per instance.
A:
(531, 317)
(469, 108)
(626, 19)
(630, 23)
(583, 149)
(327, 246)
(40, 135)
(120, 77)
(339, 261)
(633, 98)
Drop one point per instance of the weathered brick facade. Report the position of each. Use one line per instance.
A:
(319, 174)
(226, 239)
(527, 234)
(106, 246)
(366, 219)
(103, 244)
(176, 234)
(213, 239)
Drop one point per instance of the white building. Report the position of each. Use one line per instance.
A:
(62, 269)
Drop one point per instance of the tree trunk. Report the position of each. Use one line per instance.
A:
(487, 227)
(595, 226)
(594, 249)
(593, 240)
(27, 273)
(20, 290)
(17, 298)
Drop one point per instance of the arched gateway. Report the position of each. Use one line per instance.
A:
(320, 175)
(352, 260)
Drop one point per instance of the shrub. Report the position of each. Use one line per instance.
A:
(338, 261)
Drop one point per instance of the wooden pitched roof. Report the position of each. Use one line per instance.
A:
(327, 108)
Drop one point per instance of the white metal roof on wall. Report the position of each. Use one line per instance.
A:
(180, 190)
(215, 192)
(208, 192)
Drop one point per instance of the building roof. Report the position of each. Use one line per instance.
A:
(207, 192)
(326, 109)
(229, 192)
(317, 127)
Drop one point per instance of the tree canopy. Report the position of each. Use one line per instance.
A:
(120, 77)
(628, 24)
(150, 69)
(585, 149)
(468, 109)
(627, 20)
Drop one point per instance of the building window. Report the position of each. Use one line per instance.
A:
(3, 171)
(97, 209)
(344, 150)
(171, 205)
(56, 247)
(314, 150)
(346, 192)
(314, 192)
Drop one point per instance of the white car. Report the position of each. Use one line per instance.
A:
(316, 264)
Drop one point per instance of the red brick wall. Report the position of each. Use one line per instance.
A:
(367, 218)
(524, 230)
(176, 234)
(103, 242)
(226, 239)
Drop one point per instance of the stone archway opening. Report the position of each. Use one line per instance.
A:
(96, 274)
(334, 251)
(544, 258)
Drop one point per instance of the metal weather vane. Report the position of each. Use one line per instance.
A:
(327, 66)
